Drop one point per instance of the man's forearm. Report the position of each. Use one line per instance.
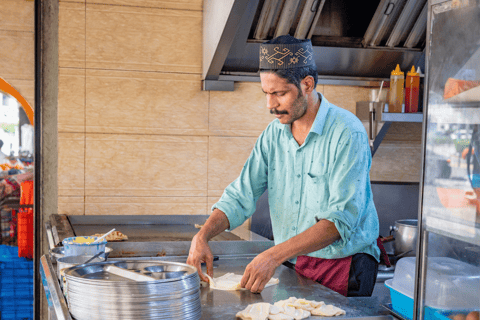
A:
(317, 237)
(215, 224)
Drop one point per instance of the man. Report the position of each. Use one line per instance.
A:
(315, 161)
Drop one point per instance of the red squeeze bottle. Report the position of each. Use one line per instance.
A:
(412, 88)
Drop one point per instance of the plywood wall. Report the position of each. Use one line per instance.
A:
(137, 135)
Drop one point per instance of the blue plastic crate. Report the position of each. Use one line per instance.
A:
(8, 251)
(16, 304)
(17, 264)
(16, 281)
(24, 314)
(16, 292)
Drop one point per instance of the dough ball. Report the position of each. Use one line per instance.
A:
(474, 315)
(459, 316)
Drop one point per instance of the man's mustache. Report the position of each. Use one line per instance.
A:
(275, 111)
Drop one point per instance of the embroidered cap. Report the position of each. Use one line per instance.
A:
(286, 55)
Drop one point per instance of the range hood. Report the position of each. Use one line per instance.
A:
(354, 42)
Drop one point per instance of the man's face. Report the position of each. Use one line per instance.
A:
(284, 100)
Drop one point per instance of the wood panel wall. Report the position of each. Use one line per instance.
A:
(137, 135)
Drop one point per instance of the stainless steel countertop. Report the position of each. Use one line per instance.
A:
(217, 304)
(225, 304)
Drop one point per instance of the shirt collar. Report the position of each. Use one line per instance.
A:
(321, 116)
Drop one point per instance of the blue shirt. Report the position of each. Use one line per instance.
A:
(327, 177)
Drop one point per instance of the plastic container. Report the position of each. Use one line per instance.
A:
(73, 248)
(396, 90)
(450, 285)
(412, 90)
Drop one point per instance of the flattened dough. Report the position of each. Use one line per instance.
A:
(231, 282)
(256, 311)
(328, 310)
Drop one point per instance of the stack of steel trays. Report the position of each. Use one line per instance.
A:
(138, 289)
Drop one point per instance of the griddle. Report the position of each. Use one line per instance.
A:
(150, 235)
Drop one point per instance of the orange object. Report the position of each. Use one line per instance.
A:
(396, 91)
(25, 221)
(455, 86)
(412, 90)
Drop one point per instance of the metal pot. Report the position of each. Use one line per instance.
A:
(406, 232)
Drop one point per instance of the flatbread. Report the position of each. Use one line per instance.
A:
(114, 236)
(231, 282)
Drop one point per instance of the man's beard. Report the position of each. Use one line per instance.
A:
(299, 108)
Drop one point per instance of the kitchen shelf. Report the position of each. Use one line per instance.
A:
(448, 113)
(456, 230)
(402, 117)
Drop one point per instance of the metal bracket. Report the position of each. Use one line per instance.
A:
(216, 85)
(380, 136)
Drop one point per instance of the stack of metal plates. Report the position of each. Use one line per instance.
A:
(133, 290)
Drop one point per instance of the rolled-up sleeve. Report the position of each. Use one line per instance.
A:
(240, 197)
(347, 184)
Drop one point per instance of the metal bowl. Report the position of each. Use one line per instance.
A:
(58, 252)
(72, 261)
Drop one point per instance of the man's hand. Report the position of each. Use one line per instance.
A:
(200, 252)
(259, 272)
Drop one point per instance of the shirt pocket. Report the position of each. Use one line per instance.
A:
(316, 193)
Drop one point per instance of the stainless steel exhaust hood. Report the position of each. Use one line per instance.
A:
(355, 42)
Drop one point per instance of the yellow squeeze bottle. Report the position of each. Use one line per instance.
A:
(396, 90)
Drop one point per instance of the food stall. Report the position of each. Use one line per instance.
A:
(436, 284)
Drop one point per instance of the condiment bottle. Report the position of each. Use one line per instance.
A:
(412, 87)
(422, 85)
(396, 90)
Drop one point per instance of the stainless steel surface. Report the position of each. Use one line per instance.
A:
(418, 30)
(157, 270)
(406, 232)
(55, 298)
(228, 49)
(133, 290)
(401, 117)
(58, 252)
(410, 14)
(151, 236)
(336, 62)
(48, 229)
(71, 261)
(218, 304)
(329, 80)
(225, 304)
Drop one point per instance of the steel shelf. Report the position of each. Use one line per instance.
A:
(402, 117)
(463, 231)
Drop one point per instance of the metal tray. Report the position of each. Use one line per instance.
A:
(159, 271)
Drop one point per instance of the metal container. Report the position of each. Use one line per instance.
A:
(72, 261)
(406, 232)
(59, 252)
(75, 248)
